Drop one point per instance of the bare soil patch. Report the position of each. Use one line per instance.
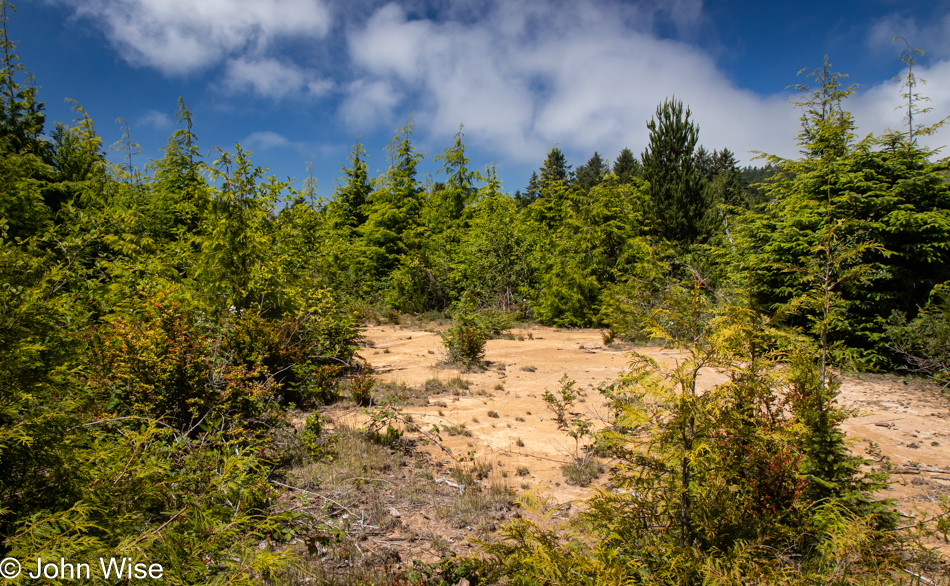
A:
(900, 420)
(504, 442)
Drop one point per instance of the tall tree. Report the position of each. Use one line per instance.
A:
(21, 115)
(349, 208)
(459, 189)
(669, 167)
(555, 169)
(392, 225)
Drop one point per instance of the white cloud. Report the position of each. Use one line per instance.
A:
(590, 80)
(882, 108)
(522, 76)
(369, 103)
(265, 140)
(155, 119)
(933, 38)
(876, 106)
(181, 36)
(273, 79)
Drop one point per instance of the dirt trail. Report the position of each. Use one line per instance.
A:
(907, 422)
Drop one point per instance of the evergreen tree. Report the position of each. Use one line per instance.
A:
(350, 205)
(553, 202)
(627, 166)
(669, 166)
(554, 170)
(531, 192)
(724, 193)
(395, 206)
(21, 115)
(591, 173)
(459, 190)
(179, 192)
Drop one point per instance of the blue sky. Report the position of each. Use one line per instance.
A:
(300, 80)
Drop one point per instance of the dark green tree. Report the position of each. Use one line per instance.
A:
(531, 192)
(21, 115)
(591, 173)
(675, 184)
(179, 191)
(627, 166)
(350, 206)
(395, 206)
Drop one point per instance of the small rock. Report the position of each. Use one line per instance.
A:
(914, 445)
(935, 443)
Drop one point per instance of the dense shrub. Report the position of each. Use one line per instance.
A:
(923, 343)
(465, 344)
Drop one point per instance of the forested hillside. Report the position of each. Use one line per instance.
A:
(158, 322)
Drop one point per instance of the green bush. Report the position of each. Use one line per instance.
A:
(465, 344)
(922, 344)
(312, 438)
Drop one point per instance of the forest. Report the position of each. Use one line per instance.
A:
(161, 324)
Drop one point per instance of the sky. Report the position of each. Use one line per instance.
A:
(298, 82)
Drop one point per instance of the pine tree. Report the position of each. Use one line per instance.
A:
(810, 250)
(21, 115)
(395, 206)
(179, 191)
(675, 184)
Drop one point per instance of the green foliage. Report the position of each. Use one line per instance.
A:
(582, 467)
(349, 207)
(591, 173)
(198, 511)
(718, 483)
(155, 325)
(847, 228)
(465, 343)
(923, 343)
(312, 437)
(563, 401)
(627, 166)
(668, 166)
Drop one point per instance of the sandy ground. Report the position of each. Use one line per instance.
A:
(905, 421)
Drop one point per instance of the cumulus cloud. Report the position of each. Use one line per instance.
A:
(181, 36)
(274, 79)
(877, 104)
(528, 76)
(369, 103)
(933, 37)
(522, 76)
(881, 107)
